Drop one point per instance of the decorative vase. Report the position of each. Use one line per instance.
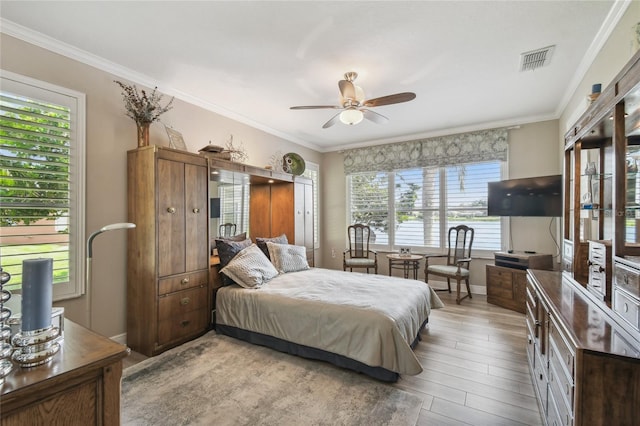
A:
(143, 134)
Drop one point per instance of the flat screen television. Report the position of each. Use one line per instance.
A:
(535, 196)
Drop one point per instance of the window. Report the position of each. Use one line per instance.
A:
(415, 207)
(42, 180)
(312, 172)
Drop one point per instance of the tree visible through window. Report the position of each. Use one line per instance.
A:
(39, 181)
(415, 207)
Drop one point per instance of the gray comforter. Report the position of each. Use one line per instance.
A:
(369, 318)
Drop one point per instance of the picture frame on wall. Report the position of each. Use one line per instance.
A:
(176, 141)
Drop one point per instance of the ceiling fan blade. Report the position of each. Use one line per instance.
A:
(316, 107)
(390, 99)
(374, 116)
(347, 91)
(331, 122)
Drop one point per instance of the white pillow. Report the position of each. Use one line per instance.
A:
(288, 258)
(250, 268)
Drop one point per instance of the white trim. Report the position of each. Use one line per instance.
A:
(75, 100)
(611, 21)
(120, 338)
(72, 52)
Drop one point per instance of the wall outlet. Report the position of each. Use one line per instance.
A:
(333, 253)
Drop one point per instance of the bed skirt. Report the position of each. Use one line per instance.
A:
(303, 351)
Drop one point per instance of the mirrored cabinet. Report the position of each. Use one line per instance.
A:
(583, 322)
(589, 223)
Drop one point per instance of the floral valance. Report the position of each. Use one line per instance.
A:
(483, 145)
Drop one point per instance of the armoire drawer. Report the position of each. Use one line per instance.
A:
(182, 282)
(181, 326)
(178, 303)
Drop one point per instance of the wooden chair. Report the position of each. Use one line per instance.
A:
(227, 230)
(358, 255)
(458, 256)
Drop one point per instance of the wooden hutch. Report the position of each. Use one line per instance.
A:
(171, 277)
(583, 323)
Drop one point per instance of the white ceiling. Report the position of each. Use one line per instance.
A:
(252, 60)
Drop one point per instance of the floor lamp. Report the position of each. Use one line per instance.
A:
(112, 227)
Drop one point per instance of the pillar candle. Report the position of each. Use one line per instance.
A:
(37, 293)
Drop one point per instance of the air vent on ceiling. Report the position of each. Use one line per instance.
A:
(536, 58)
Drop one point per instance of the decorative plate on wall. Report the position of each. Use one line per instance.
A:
(293, 163)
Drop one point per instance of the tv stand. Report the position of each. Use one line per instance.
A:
(507, 278)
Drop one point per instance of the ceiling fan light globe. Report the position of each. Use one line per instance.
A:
(351, 116)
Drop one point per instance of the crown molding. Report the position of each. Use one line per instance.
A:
(56, 46)
(611, 21)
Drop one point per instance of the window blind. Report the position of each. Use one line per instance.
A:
(40, 182)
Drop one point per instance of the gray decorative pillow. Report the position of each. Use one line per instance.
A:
(288, 258)
(239, 237)
(250, 268)
(227, 250)
(262, 243)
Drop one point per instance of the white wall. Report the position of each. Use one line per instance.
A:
(109, 135)
(613, 56)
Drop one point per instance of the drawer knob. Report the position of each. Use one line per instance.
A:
(171, 210)
(568, 389)
(600, 269)
(184, 281)
(184, 323)
(185, 301)
(196, 210)
(625, 308)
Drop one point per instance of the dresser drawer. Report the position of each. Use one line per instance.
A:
(540, 380)
(182, 282)
(627, 307)
(627, 279)
(181, 326)
(180, 302)
(565, 356)
(563, 383)
(557, 414)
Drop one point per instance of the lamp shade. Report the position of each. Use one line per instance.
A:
(351, 116)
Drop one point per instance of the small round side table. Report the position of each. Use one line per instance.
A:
(406, 262)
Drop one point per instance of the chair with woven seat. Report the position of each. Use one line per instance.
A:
(358, 255)
(459, 241)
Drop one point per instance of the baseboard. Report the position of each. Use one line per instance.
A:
(120, 338)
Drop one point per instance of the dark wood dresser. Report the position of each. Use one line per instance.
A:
(584, 361)
(79, 386)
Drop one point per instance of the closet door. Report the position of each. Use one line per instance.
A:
(171, 218)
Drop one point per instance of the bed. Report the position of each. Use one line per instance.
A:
(368, 323)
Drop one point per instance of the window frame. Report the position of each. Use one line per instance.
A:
(43, 91)
(392, 246)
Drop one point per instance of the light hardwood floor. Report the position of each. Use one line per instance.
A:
(475, 367)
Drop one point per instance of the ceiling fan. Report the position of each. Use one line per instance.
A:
(353, 105)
